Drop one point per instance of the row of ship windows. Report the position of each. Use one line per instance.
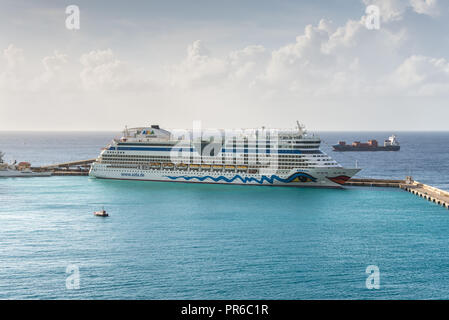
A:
(127, 165)
(122, 154)
(329, 161)
(261, 146)
(208, 158)
(171, 170)
(112, 155)
(229, 163)
(252, 142)
(153, 170)
(179, 172)
(161, 158)
(213, 160)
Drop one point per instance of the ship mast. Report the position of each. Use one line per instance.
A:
(301, 128)
(125, 131)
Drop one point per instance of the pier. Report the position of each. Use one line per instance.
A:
(388, 183)
(422, 190)
(72, 168)
(427, 192)
(68, 165)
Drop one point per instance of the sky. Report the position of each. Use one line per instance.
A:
(229, 64)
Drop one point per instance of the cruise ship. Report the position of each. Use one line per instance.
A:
(267, 157)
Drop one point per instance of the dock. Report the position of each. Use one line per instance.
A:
(427, 192)
(388, 183)
(72, 168)
(68, 165)
(422, 190)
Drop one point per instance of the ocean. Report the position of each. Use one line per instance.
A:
(192, 241)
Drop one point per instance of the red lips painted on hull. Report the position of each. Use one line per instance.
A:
(340, 179)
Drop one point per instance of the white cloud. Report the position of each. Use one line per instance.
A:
(390, 10)
(102, 70)
(54, 72)
(53, 64)
(198, 68)
(12, 76)
(245, 64)
(326, 61)
(421, 75)
(428, 7)
(393, 10)
(295, 60)
(13, 56)
(323, 61)
(16, 76)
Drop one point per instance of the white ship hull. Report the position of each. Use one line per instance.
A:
(316, 177)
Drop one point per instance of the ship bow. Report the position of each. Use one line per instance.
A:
(341, 179)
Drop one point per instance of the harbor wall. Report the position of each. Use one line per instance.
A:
(422, 190)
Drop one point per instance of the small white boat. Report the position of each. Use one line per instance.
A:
(101, 213)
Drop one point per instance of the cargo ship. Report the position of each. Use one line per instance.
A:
(391, 144)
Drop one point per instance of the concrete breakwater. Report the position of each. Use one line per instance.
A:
(422, 190)
(365, 182)
(427, 192)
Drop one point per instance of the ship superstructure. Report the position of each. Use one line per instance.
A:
(289, 157)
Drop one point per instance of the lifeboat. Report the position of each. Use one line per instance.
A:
(181, 166)
(155, 165)
(168, 165)
(229, 167)
(205, 167)
(242, 168)
(217, 167)
(194, 166)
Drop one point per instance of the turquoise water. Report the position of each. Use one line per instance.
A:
(190, 241)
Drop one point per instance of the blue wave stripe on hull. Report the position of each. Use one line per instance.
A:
(247, 179)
